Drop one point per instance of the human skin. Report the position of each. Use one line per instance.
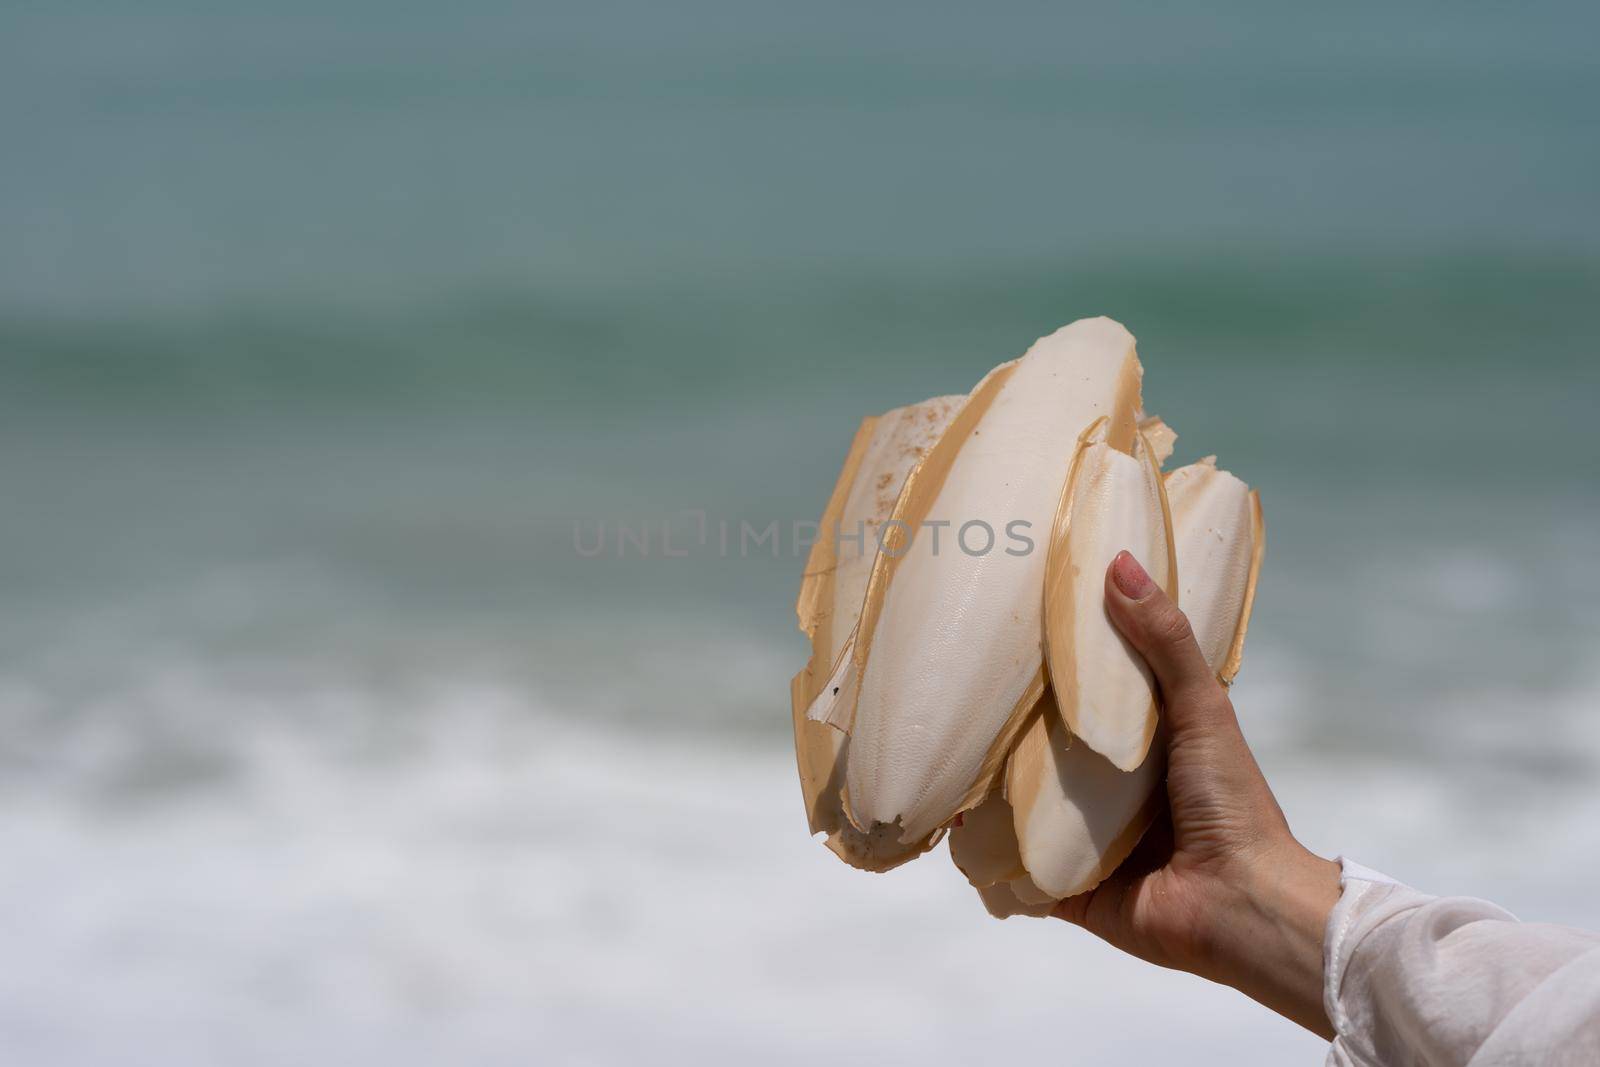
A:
(1218, 886)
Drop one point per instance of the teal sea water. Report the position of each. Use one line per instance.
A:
(321, 326)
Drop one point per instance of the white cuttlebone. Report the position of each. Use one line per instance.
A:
(1114, 500)
(1217, 567)
(883, 453)
(1077, 816)
(983, 844)
(900, 438)
(1160, 437)
(1002, 902)
(1028, 891)
(949, 654)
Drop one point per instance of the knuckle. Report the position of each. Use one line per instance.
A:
(1171, 626)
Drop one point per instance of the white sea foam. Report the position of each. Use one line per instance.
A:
(508, 885)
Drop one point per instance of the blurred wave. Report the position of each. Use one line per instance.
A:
(1495, 313)
(468, 870)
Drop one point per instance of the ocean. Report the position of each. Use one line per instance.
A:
(330, 334)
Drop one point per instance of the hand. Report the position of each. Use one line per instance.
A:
(1218, 886)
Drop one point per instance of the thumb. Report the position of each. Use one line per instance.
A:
(1160, 632)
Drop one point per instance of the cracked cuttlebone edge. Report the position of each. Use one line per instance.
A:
(885, 449)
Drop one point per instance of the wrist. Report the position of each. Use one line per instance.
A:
(1268, 937)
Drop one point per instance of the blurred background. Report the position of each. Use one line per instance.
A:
(321, 324)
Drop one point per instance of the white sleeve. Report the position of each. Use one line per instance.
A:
(1414, 979)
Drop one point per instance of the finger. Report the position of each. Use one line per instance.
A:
(1098, 910)
(1101, 910)
(1074, 909)
(1160, 632)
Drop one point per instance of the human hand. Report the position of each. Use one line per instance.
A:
(1218, 886)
